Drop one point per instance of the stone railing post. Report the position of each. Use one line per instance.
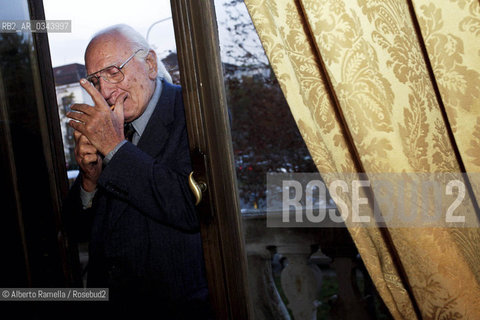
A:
(265, 297)
(301, 281)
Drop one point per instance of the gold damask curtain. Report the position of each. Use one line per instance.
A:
(390, 86)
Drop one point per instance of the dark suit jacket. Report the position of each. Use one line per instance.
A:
(144, 237)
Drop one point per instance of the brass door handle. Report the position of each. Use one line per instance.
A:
(197, 188)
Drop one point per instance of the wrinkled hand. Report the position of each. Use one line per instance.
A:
(89, 161)
(102, 126)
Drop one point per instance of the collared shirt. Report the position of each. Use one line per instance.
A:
(141, 122)
(139, 125)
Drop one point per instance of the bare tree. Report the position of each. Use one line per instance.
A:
(240, 45)
(265, 136)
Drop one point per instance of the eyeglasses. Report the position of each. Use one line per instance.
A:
(111, 74)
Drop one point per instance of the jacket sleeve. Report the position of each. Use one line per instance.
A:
(78, 221)
(156, 186)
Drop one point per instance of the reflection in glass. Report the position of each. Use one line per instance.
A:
(265, 136)
(28, 221)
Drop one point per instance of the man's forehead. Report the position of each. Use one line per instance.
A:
(102, 54)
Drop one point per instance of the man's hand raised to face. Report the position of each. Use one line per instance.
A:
(101, 125)
(89, 161)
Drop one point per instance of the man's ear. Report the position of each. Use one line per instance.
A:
(151, 60)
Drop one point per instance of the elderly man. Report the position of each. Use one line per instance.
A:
(132, 194)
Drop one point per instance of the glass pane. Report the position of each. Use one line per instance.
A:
(265, 136)
(296, 272)
(28, 231)
(13, 48)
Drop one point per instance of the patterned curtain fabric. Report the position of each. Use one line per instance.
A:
(389, 86)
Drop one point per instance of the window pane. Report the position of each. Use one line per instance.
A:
(292, 271)
(265, 136)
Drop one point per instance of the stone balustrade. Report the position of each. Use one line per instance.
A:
(297, 259)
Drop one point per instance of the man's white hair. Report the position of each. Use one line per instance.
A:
(137, 41)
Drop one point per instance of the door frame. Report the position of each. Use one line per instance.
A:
(208, 126)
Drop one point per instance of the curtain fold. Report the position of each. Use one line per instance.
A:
(389, 87)
(451, 33)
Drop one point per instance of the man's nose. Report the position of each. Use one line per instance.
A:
(106, 88)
